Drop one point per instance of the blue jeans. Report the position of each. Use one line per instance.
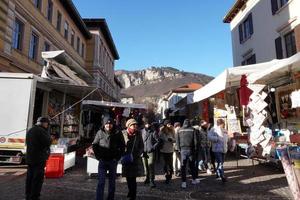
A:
(103, 167)
(220, 162)
(187, 156)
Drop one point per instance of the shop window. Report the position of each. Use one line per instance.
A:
(246, 29)
(277, 4)
(58, 21)
(33, 48)
(18, 35)
(50, 10)
(250, 60)
(290, 44)
(66, 28)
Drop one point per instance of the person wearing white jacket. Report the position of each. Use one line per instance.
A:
(219, 138)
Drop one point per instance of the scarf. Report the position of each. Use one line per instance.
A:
(131, 132)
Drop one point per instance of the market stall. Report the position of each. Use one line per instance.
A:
(91, 121)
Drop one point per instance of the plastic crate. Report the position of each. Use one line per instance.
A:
(55, 166)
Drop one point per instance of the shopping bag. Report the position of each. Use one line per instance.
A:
(127, 159)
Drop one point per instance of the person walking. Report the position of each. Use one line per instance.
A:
(176, 154)
(187, 143)
(38, 143)
(108, 146)
(151, 143)
(167, 137)
(205, 145)
(219, 138)
(135, 147)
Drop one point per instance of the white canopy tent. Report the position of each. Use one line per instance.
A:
(274, 72)
(228, 78)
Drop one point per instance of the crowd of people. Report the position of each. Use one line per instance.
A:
(193, 145)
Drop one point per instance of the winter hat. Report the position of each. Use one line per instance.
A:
(42, 120)
(176, 124)
(108, 120)
(166, 122)
(130, 122)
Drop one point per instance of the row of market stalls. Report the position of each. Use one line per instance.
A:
(261, 106)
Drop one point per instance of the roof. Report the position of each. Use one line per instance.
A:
(101, 23)
(72, 11)
(191, 87)
(238, 5)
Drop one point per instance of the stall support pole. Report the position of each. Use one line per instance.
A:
(63, 116)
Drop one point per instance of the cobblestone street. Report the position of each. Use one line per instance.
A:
(260, 181)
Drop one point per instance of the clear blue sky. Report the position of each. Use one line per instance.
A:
(186, 34)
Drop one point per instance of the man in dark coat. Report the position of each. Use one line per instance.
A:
(108, 147)
(38, 149)
(151, 142)
(187, 144)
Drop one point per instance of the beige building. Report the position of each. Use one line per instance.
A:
(101, 56)
(29, 27)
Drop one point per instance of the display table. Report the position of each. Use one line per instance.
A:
(92, 166)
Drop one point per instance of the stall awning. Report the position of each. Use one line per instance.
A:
(62, 58)
(74, 90)
(114, 104)
(228, 78)
(282, 68)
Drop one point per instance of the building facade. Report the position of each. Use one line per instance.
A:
(101, 57)
(33, 26)
(263, 30)
(29, 27)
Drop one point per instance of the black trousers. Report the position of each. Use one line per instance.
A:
(131, 183)
(34, 181)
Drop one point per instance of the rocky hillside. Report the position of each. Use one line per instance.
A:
(156, 74)
(148, 85)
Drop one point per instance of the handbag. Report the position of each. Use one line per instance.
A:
(128, 157)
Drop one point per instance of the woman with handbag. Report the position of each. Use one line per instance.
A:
(108, 147)
(132, 160)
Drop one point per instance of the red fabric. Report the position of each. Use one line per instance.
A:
(131, 132)
(244, 91)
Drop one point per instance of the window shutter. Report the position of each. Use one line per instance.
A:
(274, 6)
(250, 23)
(278, 47)
(241, 33)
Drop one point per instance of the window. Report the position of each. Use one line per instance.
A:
(250, 60)
(58, 21)
(37, 3)
(82, 49)
(72, 38)
(278, 48)
(290, 44)
(50, 10)
(18, 35)
(277, 4)
(66, 28)
(246, 29)
(78, 45)
(46, 48)
(33, 48)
